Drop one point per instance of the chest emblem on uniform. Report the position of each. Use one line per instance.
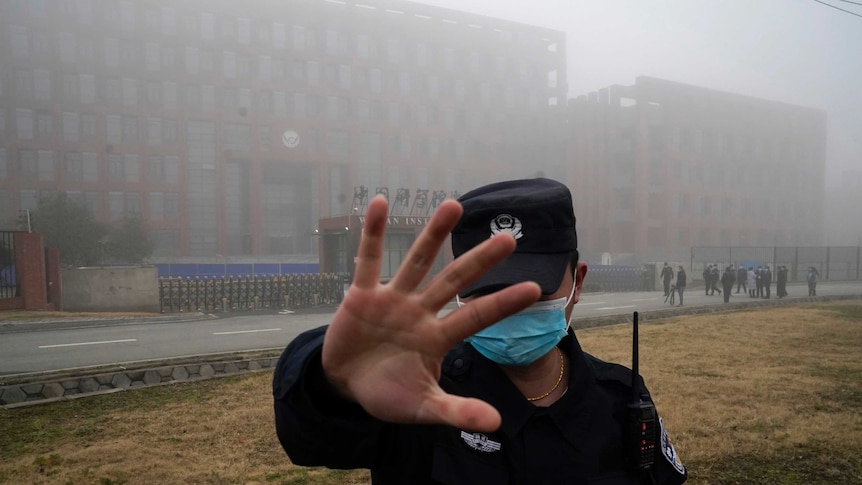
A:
(480, 442)
(506, 223)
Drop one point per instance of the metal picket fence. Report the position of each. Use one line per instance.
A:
(252, 292)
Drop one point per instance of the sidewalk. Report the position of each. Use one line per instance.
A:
(17, 320)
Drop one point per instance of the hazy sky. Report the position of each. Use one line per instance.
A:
(796, 51)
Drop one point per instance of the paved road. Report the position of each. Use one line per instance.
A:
(66, 346)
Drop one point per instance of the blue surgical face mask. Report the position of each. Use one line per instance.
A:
(522, 338)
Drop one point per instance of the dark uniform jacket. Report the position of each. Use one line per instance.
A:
(579, 439)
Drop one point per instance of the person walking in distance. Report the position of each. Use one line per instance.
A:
(740, 279)
(666, 276)
(680, 282)
(727, 280)
(715, 277)
(751, 278)
(767, 282)
(781, 281)
(707, 279)
(812, 277)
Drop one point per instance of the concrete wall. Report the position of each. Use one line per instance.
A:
(117, 289)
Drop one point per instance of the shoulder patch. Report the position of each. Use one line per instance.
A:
(669, 451)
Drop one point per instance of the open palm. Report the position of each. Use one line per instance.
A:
(386, 343)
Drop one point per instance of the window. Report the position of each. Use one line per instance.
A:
(169, 95)
(116, 167)
(338, 143)
(152, 56)
(87, 83)
(237, 136)
(113, 129)
(71, 91)
(41, 84)
(131, 169)
(28, 167)
(88, 126)
(90, 167)
(168, 57)
(229, 65)
(44, 125)
(169, 131)
(172, 168)
(243, 30)
(156, 169)
(24, 123)
(23, 82)
(19, 40)
(157, 206)
(130, 92)
(208, 95)
(113, 93)
(172, 205)
(73, 166)
(46, 164)
(111, 52)
(68, 49)
(70, 127)
(154, 131)
(116, 205)
(192, 60)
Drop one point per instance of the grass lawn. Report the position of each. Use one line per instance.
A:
(769, 396)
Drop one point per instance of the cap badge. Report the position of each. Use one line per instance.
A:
(506, 223)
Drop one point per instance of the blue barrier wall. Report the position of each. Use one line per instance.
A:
(191, 270)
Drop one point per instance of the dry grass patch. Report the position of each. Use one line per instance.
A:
(768, 396)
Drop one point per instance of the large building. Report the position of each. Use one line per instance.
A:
(251, 129)
(662, 166)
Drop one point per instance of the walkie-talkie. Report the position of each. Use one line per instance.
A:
(642, 426)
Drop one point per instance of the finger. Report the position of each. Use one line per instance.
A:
(469, 414)
(370, 252)
(487, 310)
(423, 252)
(466, 269)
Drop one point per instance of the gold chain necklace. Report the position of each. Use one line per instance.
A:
(559, 379)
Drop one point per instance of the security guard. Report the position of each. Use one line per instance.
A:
(497, 391)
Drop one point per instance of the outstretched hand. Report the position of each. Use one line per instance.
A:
(385, 345)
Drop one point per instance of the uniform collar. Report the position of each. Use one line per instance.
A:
(491, 385)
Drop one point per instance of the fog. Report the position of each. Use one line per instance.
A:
(795, 51)
(187, 116)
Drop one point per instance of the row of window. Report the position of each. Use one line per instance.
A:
(126, 91)
(84, 167)
(209, 28)
(160, 205)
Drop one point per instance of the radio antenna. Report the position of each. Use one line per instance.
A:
(635, 388)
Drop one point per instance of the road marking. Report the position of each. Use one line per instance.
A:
(89, 343)
(594, 303)
(615, 307)
(644, 299)
(248, 331)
